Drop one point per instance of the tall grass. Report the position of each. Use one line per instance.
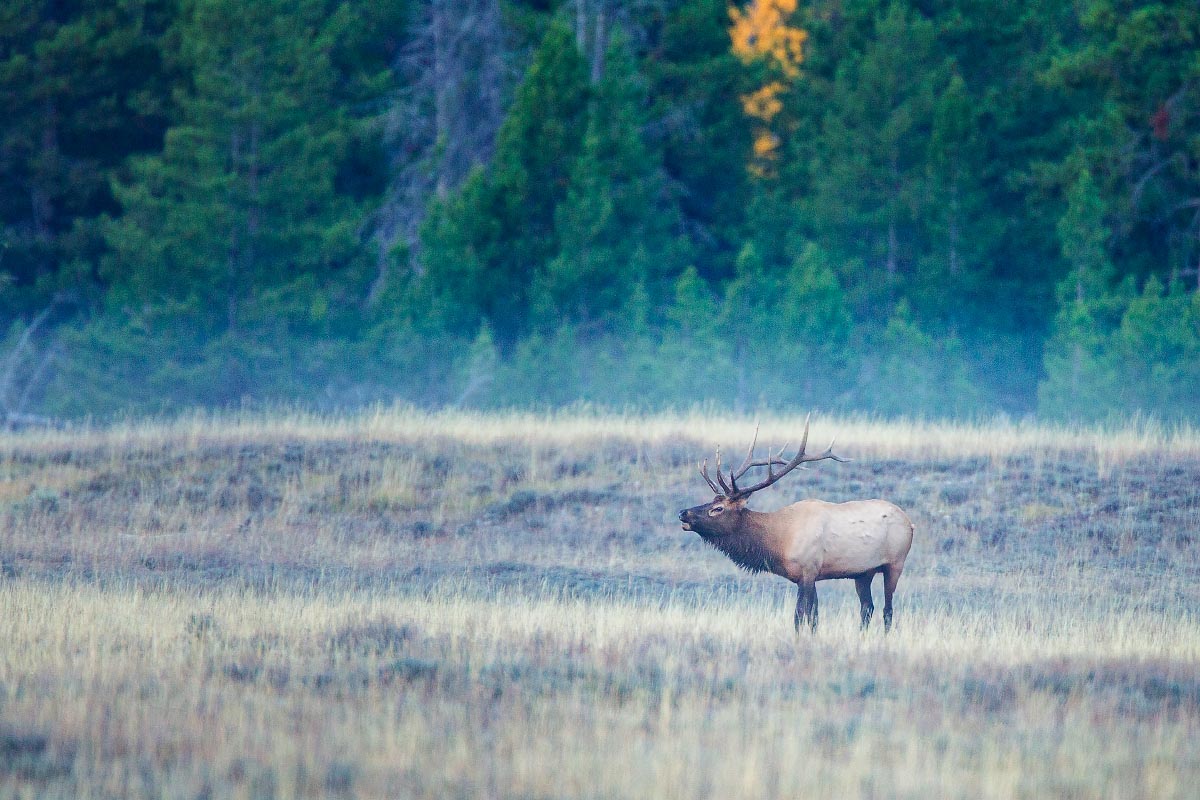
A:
(296, 694)
(871, 436)
(412, 604)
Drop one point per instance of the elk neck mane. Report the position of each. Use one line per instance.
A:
(748, 547)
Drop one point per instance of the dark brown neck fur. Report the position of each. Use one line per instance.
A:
(748, 547)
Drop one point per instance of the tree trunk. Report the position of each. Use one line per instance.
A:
(581, 15)
(234, 254)
(954, 232)
(892, 246)
(599, 41)
(891, 264)
(1076, 368)
(743, 384)
(252, 198)
(41, 199)
(441, 93)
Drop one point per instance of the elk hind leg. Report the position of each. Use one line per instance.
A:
(806, 605)
(891, 576)
(862, 585)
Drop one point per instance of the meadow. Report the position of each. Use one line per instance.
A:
(426, 605)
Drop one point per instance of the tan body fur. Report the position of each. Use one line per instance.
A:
(819, 540)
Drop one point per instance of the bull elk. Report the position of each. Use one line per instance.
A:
(808, 541)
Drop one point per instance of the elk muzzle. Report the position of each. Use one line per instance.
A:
(685, 517)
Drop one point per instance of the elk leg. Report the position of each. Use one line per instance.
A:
(866, 605)
(806, 605)
(891, 576)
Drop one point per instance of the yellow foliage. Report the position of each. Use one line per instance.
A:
(765, 144)
(764, 103)
(766, 151)
(761, 32)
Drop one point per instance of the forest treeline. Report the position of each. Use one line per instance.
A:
(930, 208)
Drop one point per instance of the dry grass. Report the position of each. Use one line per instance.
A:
(994, 438)
(401, 604)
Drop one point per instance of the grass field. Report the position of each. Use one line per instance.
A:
(401, 604)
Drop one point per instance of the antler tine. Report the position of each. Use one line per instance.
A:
(804, 438)
(772, 460)
(749, 462)
(720, 478)
(708, 480)
(829, 453)
(800, 458)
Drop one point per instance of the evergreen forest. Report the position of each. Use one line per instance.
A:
(901, 207)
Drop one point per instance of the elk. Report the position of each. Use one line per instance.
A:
(808, 541)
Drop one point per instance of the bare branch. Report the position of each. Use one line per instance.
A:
(17, 355)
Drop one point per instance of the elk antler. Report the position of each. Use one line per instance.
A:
(723, 489)
(708, 480)
(776, 460)
(733, 491)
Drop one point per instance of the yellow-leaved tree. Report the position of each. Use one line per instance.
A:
(762, 35)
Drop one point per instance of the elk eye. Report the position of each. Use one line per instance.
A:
(712, 512)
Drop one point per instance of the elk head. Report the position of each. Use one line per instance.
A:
(724, 515)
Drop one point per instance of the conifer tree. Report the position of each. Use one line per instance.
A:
(82, 86)
(911, 373)
(618, 224)
(1157, 352)
(1080, 377)
(694, 356)
(235, 240)
(696, 82)
(789, 330)
(1112, 349)
(1135, 66)
(485, 243)
(870, 186)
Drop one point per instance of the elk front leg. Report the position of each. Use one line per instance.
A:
(806, 605)
(866, 605)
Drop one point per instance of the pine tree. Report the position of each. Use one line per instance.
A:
(815, 319)
(695, 359)
(1081, 380)
(1135, 67)
(870, 181)
(959, 233)
(1157, 352)
(789, 331)
(911, 373)
(1112, 350)
(618, 224)
(485, 243)
(695, 82)
(82, 86)
(235, 239)
(747, 312)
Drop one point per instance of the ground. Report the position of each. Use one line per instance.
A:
(436, 605)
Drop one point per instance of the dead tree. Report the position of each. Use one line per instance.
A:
(25, 368)
(443, 122)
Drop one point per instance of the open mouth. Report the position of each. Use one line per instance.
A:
(687, 526)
